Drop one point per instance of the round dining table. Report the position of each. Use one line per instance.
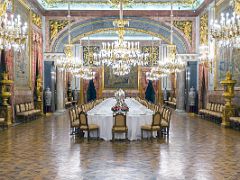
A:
(102, 115)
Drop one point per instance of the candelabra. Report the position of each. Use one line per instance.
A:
(13, 32)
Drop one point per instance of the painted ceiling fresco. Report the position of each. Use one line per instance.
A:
(106, 5)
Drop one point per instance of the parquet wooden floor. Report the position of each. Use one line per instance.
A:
(195, 149)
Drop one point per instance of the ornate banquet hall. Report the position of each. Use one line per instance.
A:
(119, 89)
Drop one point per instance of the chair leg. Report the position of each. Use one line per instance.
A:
(88, 134)
(113, 136)
(71, 129)
(98, 134)
(126, 135)
(141, 134)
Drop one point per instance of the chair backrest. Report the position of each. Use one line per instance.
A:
(83, 119)
(22, 107)
(71, 115)
(26, 106)
(32, 105)
(74, 114)
(78, 110)
(222, 108)
(120, 120)
(18, 109)
(156, 121)
(212, 107)
(169, 115)
(208, 106)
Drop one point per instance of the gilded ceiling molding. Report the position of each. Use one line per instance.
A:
(37, 20)
(185, 27)
(168, 2)
(204, 29)
(55, 26)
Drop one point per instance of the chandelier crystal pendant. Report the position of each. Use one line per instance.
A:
(13, 32)
(226, 31)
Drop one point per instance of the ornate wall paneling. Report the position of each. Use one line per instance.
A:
(204, 29)
(185, 27)
(154, 53)
(37, 20)
(55, 26)
(88, 54)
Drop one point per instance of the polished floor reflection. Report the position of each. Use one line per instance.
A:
(43, 149)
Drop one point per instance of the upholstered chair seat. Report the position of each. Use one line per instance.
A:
(150, 127)
(120, 129)
(90, 127)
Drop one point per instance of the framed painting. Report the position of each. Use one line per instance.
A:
(113, 82)
(22, 63)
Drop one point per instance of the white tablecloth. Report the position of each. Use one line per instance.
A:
(137, 116)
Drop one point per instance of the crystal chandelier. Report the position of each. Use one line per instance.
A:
(69, 63)
(121, 54)
(13, 32)
(172, 64)
(226, 31)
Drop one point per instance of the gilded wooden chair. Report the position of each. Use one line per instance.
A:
(155, 126)
(84, 126)
(120, 125)
(74, 121)
(165, 123)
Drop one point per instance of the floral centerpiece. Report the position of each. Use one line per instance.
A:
(120, 105)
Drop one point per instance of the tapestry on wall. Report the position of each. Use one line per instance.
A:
(228, 61)
(112, 81)
(21, 57)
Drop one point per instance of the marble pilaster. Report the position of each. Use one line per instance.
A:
(60, 91)
(180, 92)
